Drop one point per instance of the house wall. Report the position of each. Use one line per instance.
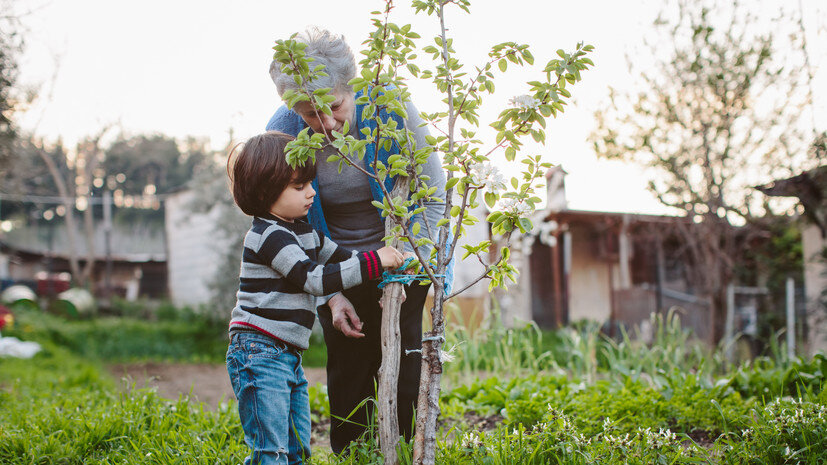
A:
(194, 250)
(23, 270)
(589, 283)
(815, 282)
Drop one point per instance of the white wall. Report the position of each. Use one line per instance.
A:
(589, 290)
(815, 282)
(194, 250)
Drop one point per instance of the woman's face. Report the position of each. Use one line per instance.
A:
(342, 109)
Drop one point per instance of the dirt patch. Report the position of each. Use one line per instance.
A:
(476, 421)
(203, 382)
(208, 383)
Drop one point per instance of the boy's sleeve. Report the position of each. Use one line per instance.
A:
(280, 250)
(331, 252)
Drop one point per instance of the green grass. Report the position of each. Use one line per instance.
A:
(169, 336)
(58, 409)
(566, 397)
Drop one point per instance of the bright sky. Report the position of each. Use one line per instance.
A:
(198, 68)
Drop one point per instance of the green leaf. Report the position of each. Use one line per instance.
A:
(493, 216)
(490, 199)
(451, 183)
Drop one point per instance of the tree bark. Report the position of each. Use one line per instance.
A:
(427, 409)
(388, 418)
(386, 397)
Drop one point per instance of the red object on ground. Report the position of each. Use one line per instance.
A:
(6, 317)
(51, 287)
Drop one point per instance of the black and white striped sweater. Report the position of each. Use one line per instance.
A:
(287, 271)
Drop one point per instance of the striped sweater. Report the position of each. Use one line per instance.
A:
(287, 270)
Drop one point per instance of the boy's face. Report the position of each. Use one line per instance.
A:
(342, 109)
(294, 201)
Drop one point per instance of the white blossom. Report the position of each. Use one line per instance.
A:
(448, 356)
(607, 424)
(661, 438)
(472, 440)
(524, 102)
(486, 175)
(515, 206)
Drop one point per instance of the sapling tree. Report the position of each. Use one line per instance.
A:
(388, 61)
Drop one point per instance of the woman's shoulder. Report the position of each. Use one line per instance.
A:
(286, 121)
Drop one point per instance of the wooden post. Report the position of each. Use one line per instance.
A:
(427, 407)
(790, 318)
(729, 325)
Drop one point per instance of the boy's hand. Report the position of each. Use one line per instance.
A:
(390, 257)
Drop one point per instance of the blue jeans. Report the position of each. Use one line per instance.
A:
(273, 404)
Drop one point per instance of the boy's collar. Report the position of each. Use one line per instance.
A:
(297, 225)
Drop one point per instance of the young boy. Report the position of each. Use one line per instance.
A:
(286, 270)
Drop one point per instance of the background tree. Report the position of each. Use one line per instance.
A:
(70, 184)
(144, 166)
(9, 48)
(153, 160)
(718, 111)
(72, 177)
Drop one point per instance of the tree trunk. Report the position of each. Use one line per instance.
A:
(388, 418)
(69, 205)
(386, 397)
(427, 408)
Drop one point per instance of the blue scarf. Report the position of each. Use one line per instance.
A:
(289, 122)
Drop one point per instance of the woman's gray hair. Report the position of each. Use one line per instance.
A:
(326, 49)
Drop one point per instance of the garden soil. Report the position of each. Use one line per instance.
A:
(203, 382)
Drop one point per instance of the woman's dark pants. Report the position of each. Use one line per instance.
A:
(352, 364)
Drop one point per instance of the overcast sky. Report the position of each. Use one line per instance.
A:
(197, 68)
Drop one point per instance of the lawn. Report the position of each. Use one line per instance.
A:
(511, 396)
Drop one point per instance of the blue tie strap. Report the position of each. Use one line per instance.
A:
(399, 276)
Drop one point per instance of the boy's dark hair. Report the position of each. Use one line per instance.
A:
(259, 172)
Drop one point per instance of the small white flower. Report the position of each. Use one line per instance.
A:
(524, 102)
(448, 356)
(517, 207)
(488, 176)
(607, 424)
(472, 440)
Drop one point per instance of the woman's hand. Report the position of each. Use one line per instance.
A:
(390, 257)
(344, 316)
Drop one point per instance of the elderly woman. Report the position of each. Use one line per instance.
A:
(343, 211)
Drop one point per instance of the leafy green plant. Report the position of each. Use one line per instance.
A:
(122, 339)
(60, 407)
(782, 432)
